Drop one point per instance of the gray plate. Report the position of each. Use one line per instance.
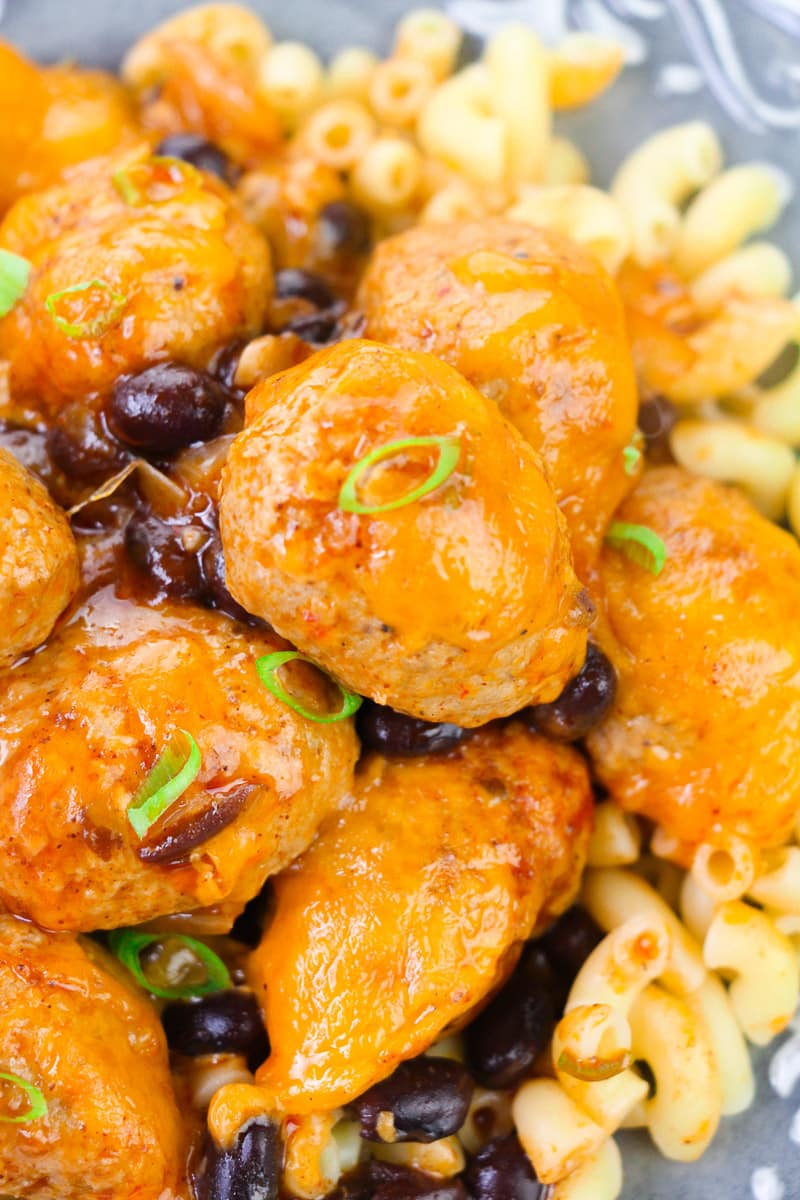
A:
(736, 62)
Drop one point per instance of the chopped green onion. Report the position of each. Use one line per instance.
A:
(38, 1103)
(15, 272)
(640, 544)
(128, 945)
(268, 666)
(632, 456)
(449, 454)
(124, 184)
(94, 326)
(168, 779)
(593, 1070)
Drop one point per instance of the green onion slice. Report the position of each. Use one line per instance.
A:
(640, 544)
(269, 665)
(632, 456)
(38, 1103)
(90, 326)
(128, 945)
(449, 453)
(15, 272)
(168, 779)
(593, 1070)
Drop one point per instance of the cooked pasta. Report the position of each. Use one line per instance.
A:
(429, 37)
(338, 133)
(657, 177)
(349, 74)
(519, 81)
(741, 201)
(758, 269)
(387, 175)
(291, 78)
(732, 452)
(765, 988)
(581, 67)
(398, 90)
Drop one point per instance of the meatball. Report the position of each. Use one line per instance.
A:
(536, 324)
(461, 606)
(457, 859)
(52, 118)
(134, 260)
(95, 1050)
(702, 736)
(38, 561)
(83, 723)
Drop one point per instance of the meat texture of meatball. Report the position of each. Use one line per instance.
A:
(38, 561)
(459, 606)
(134, 260)
(95, 1051)
(702, 736)
(83, 723)
(536, 324)
(411, 907)
(54, 117)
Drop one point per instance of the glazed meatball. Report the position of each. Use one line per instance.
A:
(38, 561)
(457, 859)
(702, 736)
(52, 118)
(95, 1050)
(134, 261)
(460, 606)
(537, 325)
(83, 723)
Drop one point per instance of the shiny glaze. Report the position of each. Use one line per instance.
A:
(95, 1048)
(426, 886)
(456, 607)
(702, 737)
(194, 272)
(535, 324)
(83, 721)
(54, 117)
(38, 561)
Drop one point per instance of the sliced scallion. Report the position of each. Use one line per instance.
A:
(168, 779)
(632, 456)
(129, 944)
(639, 543)
(449, 453)
(15, 271)
(38, 1104)
(268, 666)
(92, 325)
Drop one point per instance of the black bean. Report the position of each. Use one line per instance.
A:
(343, 229)
(166, 407)
(200, 152)
(381, 728)
(387, 1181)
(81, 445)
(657, 416)
(570, 941)
(29, 447)
(583, 703)
(224, 365)
(503, 1171)
(427, 1097)
(295, 283)
(506, 1038)
(318, 328)
(223, 1023)
(157, 549)
(250, 1170)
(217, 594)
